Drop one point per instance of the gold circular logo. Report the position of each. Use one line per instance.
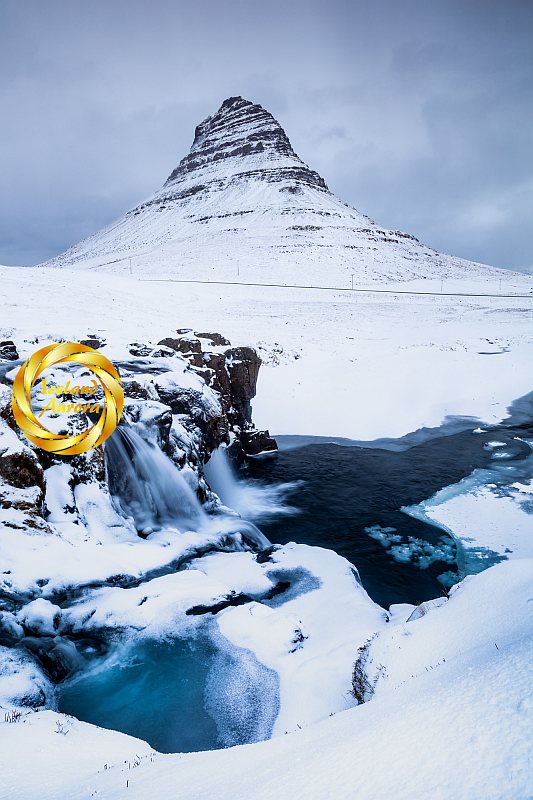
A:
(110, 410)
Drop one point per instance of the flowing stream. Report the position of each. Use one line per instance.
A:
(147, 486)
(197, 693)
(350, 499)
(179, 694)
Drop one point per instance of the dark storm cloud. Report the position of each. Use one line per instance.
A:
(417, 113)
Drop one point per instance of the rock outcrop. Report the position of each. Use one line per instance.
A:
(231, 372)
(189, 393)
(8, 351)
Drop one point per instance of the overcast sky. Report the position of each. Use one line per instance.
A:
(419, 113)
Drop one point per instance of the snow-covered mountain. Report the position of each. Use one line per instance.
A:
(243, 206)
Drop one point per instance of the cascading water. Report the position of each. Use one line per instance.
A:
(147, 485)
(222, 480)
(183, 693)
(250, 498)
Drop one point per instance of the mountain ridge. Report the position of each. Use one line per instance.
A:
(242, 203)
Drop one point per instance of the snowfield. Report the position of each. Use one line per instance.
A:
(452, 707)
(335, 364)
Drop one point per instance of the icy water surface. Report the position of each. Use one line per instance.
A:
(350, 501)
(198, 693)
(179, 695)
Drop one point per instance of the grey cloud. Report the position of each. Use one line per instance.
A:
(419, 114)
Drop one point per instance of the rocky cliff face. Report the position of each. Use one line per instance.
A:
(189, 393)
(242, 206)
(186, 395)
(241, 140)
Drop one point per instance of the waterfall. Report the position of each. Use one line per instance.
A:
(222, 481)
(148, 486)
(250, 498)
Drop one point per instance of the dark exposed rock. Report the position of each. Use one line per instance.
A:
(298, 640)
(204, 372)
(214, 339)
(220, 380)
(235, 452)
(362, 689)
(233, 375)
(233, 599)
(305, 228)
(89, 467)
(139, 349)
(22, 469)
(8, 351)
(25, 500)
(162, 352)
(243, 368)
(183, 400)
(58, 656)
(195, 359)
(138, 391)
(10, 630)
(6, 409)
(266, 555)
(216, 433)
(93, 341)
(255, 442)
(242, 364)
(185, 344)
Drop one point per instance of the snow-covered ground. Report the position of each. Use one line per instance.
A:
(449, 704)
(452, 705)
(490, 512)
(361, 366)
(451, 717)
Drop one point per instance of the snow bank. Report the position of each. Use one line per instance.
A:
(489, 515)
(453, 719)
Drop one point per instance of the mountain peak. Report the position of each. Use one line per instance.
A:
(242, 204)
(242, 138)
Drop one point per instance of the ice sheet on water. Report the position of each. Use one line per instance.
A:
(412, 550)
(486, 513)
(185, 694)
(384, 535)
(241, 695)
(422, 553)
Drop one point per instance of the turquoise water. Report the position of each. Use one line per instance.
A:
(179, 695)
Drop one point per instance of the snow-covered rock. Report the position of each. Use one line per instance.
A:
(23, 683)
(40, 616)
(452, 718)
